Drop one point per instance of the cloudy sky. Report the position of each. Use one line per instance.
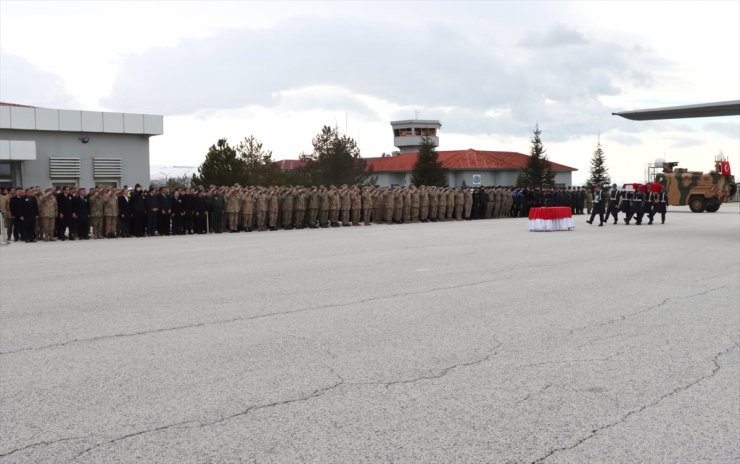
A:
(488, 70)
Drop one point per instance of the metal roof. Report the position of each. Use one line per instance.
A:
(703, 110)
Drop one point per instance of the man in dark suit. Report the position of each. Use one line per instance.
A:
(124, 214)
(29, 214)
(138, 211)
(81, 213)
(165, 211)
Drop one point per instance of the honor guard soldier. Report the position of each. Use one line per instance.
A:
(598, 207)
(613, 207)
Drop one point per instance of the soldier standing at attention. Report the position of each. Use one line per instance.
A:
(452, 202)
(589, 201)
(598, 207)
(231, 197)
(388, 205)
(467, 203)
(273, 207)
(286, 208)
(355, 205)
(367, 205)
(406, 199)
(299, 205)
(47, 213)
(110, 212)
(334, 204)
(262, 203)
(324, 203)
(397, 205)
(443, 203)
(415, 204)
(313, 207)
(423, 203)
(247, 209)
(4, 204)
(433, 203)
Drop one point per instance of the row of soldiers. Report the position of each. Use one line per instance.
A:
(632, 203)
(110, 212)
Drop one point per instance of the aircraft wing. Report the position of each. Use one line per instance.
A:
(703, 110)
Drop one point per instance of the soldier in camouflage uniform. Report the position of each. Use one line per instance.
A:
(451, 203)
(313, 207)
(367, 205)
(300, 201)
(262, 202)
(334, 205)
(286, 208)
(273, 207)
(110, 212)
(415, 203)
(345, 205)
(248, 205)
(355, 205)
(467, 203)
(232, 196)
(47, 213)
(324, 203)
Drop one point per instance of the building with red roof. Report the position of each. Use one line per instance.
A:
(464, 167)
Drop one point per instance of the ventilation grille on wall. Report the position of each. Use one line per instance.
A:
(107, 168)
(64, 168)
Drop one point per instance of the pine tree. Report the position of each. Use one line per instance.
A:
(599, 172)
(335, 160)
(427, 168)
(538, 171)
(222, 166)
(259, 169)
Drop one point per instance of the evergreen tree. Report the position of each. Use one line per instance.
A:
(222, 166)
(259, 168)
(427, 168)
(335, 160)
(599, 172)
(538, 171)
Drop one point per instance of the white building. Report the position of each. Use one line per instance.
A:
(48, 147)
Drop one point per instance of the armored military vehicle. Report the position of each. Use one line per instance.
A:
(701, 191)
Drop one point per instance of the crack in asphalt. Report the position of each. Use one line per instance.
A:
(314, 394)
(249, 318)
(42, 443)
(130, 435)
(570, 361)
(715, 369)
(529, 396)
(642, 311)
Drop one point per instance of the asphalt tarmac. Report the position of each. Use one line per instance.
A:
(452, 342)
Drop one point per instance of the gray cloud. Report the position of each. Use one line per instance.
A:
(687, 142)
(24, 83)
(429, 66)
(624, 139)
(727, 128)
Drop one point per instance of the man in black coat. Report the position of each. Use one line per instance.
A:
(200, 210)
(165, 211)
(138, 211)
(178, 213)
(613, 208)
(15, 205)
(29, 214)
(187, 204)
(81, 213)
(152, 211)
(124, 214)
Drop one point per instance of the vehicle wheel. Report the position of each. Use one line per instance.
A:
(697, 204)
(713, 205)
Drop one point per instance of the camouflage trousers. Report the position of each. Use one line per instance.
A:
(312, 216)
(334, 216)
(458, 212)
(441, 211)
(407, 213)
(247, 220)
(232, 221)
(324, 217)
(356, 216)
(398, 213)
(287, 219)
(414, 214)
(345, 216)
(110, 225)
(467, 210)
(424, 213)
(46, 226)
(389, 215)
(300, 216)
(261, 216)
(273, 219)
(97, 226)
(367, 215)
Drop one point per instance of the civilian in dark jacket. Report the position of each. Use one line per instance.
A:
(200, 211)
(178, 214)
(29, 214)
(15, 206)
(152, 211)
(124, 214)
(138, 210)
(81, 213)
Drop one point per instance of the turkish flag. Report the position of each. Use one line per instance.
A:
(725, 168)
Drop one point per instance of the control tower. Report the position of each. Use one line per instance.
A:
(408, 134)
